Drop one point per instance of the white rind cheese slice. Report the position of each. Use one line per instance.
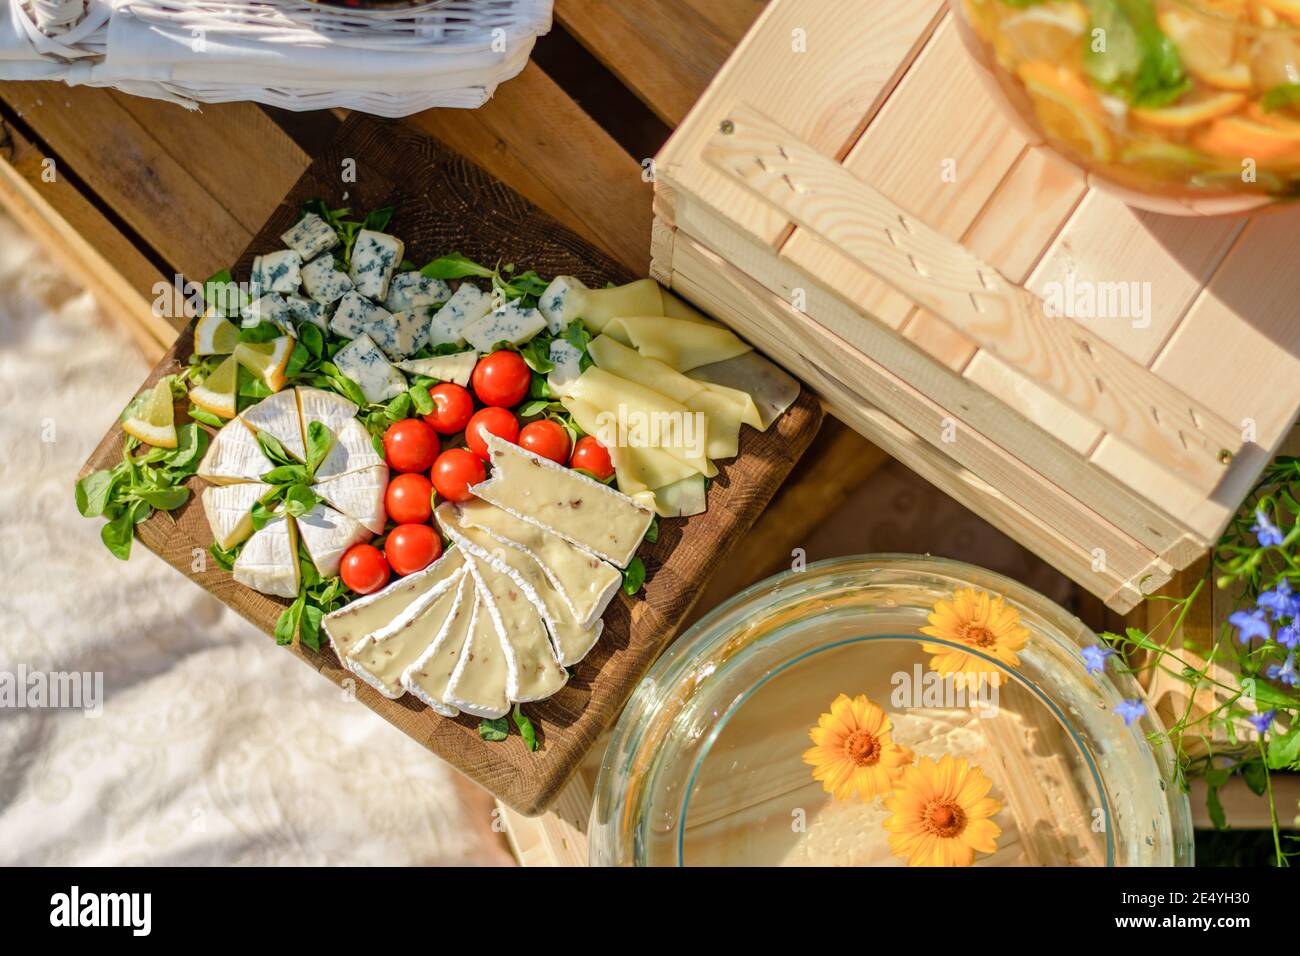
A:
(509, 323)
(229, 509)
(234, 455)
(277, 272)
(269, 560)
(468, 304)
(581, 511)
(478, 685)
(324, 282)
(428, 677)
(571, 641)
(375, 257)
(354, 315)
(457, 367)
(400, 334)
(587, 582)
(411, 290)
(359, 495)
(361, 361)
(352, 451)
(327, 534)
(310, 236)
(329, 408)
(278, 417)
(535, 671)
(380, 660)
(350, 625)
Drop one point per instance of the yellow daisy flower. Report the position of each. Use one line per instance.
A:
(854, 751)
(978, 620)
(941, 814)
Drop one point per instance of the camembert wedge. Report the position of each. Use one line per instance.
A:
(277, 416)
(535, 671)
(352, 451)
(327, 534)
(233, 456)
(381, 659)
(269, 561)
(557, 499)
(358, 494)
(428, 677)
(478, 685)
(229, 509)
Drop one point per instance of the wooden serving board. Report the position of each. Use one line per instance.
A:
(443, 204)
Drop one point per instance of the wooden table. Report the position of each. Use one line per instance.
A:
(135, 195)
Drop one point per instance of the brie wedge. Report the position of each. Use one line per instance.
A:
(234, 455)
(229, 509)
(381, 659)
(428, 677)
(352, 451)
(358, 494)
(269, 561)
(329, 408)
(577, 508)
(278, 417)
(478, 685)
(587, 582)
(350, 625)
(327, 534)
(535, 671)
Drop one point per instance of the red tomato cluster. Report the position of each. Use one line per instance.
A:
(413, 448)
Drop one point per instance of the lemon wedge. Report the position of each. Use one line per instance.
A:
(1191, 112)
(154, 422)
(215, 335)
(217, 393)
(1051, 33)
(267, 360)
(1067, 109)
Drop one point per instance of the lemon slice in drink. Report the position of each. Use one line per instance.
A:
(1207, 45)
(215, 335)
(1052, 32)
(217, 393)
(1067, 109)
(267, 360)
(1184, 115)
(154, 422)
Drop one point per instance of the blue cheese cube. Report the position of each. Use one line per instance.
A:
(447, 326)
(410, 289)
(305, 310)
(568, 364)
(561, 302)
(278, 272)
(272, 308)
(323, 282)
(509, 323)
(375, 257)
(354, 315)
(310, 237)
(401, 333)
(361, 361)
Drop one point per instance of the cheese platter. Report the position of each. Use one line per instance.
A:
(481, 497)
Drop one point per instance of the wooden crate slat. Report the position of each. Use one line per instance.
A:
(533, 136)
(1173, 428)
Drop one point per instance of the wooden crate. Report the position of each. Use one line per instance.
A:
(852, 198)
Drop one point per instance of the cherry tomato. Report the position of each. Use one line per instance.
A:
(364, 568)
(410, 445)
(501, 379)
(412, 547)
(408, 499)
(454, 471)
(546, 438)
(452, 407)
(494, 421)
(590, 455)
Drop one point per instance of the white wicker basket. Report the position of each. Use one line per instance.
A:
(288, 53)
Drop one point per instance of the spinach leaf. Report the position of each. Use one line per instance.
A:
(94, 491)
(526, 728)
(456, 266)
(319, 442)
(634, 576)
(493, 731)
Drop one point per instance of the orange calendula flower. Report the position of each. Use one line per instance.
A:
(854, 751)
(941, 814)
(980, 621)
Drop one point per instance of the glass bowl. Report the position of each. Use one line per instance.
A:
(1190, 107)
(1032, 758)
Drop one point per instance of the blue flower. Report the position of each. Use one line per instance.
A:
(1130, 710)
(1281, 600)
(1285, 672)
(1094, 657)
(1251, 624)
(1288, 635)
(1262, 721)
(1266, 532)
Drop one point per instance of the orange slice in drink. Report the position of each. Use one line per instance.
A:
(1207, 46)
(1050, 32)
(1287, 9)
(1240, 138)
(1068, 110)
(1191, 111)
